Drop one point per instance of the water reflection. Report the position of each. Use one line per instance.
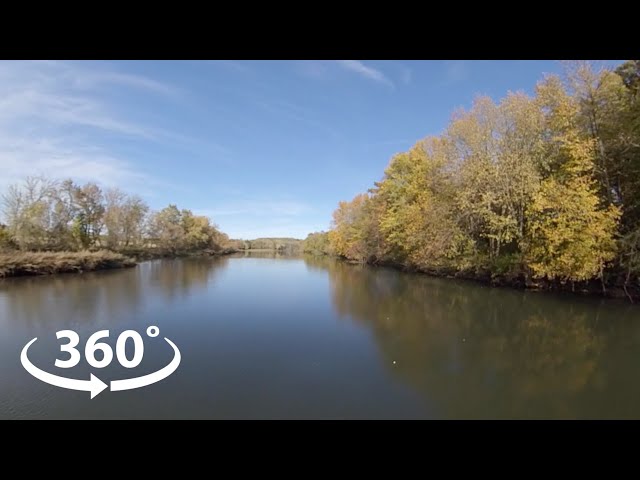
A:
(266, 254)
(315, 338)
(102, 296)
(179, 277)
(478, 352)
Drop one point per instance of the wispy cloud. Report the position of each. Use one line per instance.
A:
(363, 70)
(315, 69)
(296, 113)
(44, 106)
(50, 112)
(406, 75)
(91, 80)
(78, 76)
(64, 158)
(456, 71)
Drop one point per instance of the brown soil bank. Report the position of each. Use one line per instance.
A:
(44, 263)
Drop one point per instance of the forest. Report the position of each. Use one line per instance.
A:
(538, 190)
(60, 226)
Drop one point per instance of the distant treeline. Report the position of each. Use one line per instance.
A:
(285, 245)
(44, 214)
(540, 188)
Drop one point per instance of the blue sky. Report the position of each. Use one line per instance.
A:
(264, 148)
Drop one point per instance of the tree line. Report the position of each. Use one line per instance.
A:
(289, 245)
(543, 187)
(60, 215)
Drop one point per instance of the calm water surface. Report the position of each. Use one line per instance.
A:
(312, 338)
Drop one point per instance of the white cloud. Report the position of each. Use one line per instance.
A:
(406, 75)
(312, 68)
(63, 158)
(456, 71)
(365, 71)
(92, 80)
(49, 112)
(51, 109)
(297, 114)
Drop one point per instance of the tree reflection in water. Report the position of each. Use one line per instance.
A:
(480, 352)
(72, 299)
(182, 276)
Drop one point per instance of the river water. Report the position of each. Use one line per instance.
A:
(280, 337)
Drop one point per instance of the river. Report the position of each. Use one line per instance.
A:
(270, 337)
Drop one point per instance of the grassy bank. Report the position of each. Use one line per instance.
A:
(16, 264)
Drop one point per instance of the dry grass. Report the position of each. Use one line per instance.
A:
(15, 264)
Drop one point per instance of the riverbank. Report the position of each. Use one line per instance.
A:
(142, 255)
(614, 287)
(17, 264)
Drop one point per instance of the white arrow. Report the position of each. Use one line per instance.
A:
(138, 382)
(94, 385)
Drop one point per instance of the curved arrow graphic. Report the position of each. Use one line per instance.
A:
(138, 382)
(94, 385)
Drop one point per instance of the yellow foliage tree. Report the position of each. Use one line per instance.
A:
(571, 235)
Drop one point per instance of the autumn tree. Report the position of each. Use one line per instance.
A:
(571, 232)
(180, 230)
(546, 185)
(497, 149)
(6, 240)
(124, 218)
(89, 218)
(65, 211)
(28, 210)
(45, 214)
(165, 228)
(353, 235)
(197, 231)
(317, 243)
(418, 220)
(600, 97)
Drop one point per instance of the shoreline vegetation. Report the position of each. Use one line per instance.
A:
(284, 245)
(534, 191)
(18, 264)
(58, 226)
